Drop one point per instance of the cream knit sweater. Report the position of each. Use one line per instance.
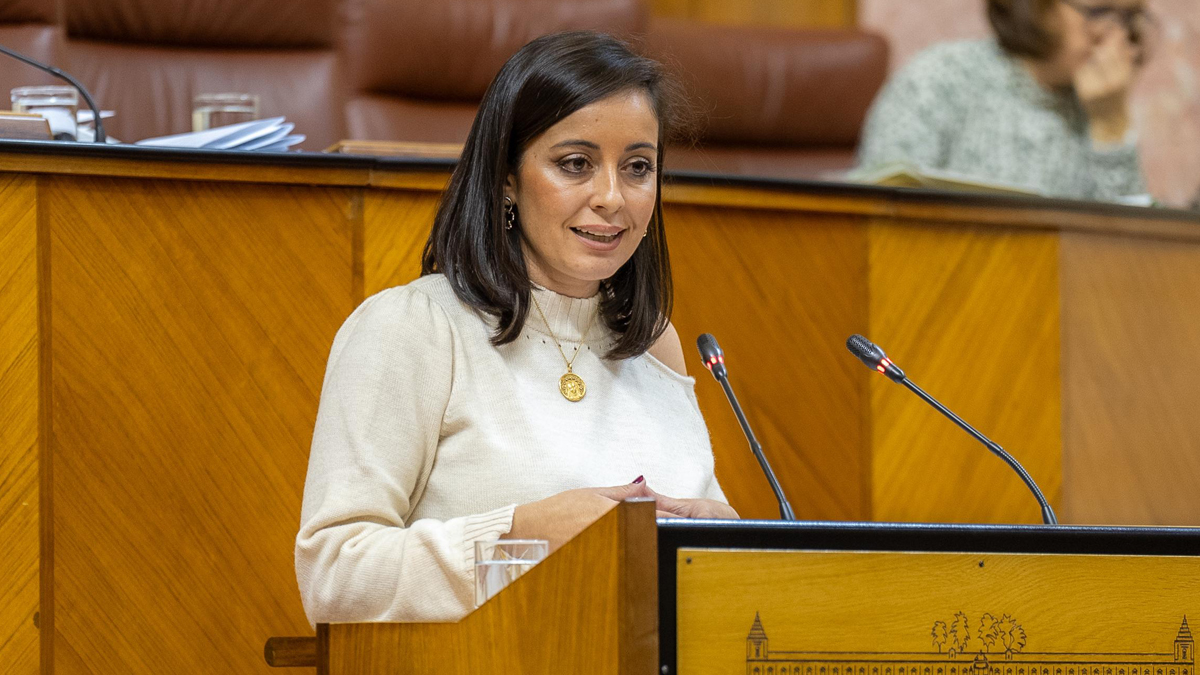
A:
(428, 436)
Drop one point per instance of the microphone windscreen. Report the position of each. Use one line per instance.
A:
(707, 344)
(866, 351)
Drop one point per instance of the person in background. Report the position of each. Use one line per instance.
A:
(1044, 105)
(530, 379)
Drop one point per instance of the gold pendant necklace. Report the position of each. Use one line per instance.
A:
(570, 385)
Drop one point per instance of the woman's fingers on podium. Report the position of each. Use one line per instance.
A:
(618, 493)
(694, 508)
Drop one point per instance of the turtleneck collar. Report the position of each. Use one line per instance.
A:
(568, 317)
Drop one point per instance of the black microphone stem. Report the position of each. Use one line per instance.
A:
(87, 98)
(785, 509)
(1048, 516)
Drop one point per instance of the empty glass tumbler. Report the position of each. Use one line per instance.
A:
(58, 104)
(217, 110)
(499, 563)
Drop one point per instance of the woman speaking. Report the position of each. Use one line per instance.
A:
(530, 379)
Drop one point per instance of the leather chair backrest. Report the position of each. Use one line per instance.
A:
(420, 68)
(147, 59)
(774, 86)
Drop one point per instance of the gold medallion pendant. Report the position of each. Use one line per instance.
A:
(572, 387)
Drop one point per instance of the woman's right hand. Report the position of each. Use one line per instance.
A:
(559, 518)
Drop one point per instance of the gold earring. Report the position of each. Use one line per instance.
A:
(510, 213)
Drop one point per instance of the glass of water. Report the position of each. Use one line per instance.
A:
(58, 104)
(218, 110)
(499, 563)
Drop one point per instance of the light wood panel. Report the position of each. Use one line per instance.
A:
(19, 425)
(878, 610)
(780, 291)
(972, 315)
(396, 224)
(773, 13)
(191, 324)
(590, 607)
(1131, 380)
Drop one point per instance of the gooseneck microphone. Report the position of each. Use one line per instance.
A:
(870, 353)
(714, 360)
(87, 98)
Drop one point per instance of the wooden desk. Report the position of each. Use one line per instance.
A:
(165, 318)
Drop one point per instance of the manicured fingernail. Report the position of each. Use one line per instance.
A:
(638, 480)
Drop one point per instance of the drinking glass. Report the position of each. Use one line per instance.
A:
(499, 563)
(218, 110)
(58, 104)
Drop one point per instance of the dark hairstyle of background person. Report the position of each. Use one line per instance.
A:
(544, 82)
(1030, 28)
(1025, 27)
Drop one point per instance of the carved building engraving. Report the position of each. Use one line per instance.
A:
(984, 646)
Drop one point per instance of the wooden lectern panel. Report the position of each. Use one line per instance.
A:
(19, 425)
(913, 613)
(590, 607)
(972, 316)
(1132, 380)
(191, 325)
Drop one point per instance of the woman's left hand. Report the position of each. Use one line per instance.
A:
(693, 508)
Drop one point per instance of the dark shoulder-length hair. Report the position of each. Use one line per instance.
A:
(544, 82)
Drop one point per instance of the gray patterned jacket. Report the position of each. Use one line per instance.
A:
(970, 108)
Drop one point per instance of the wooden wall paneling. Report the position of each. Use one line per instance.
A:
(972, 315)
(19, 425)
(775, 13)
(191, 325)
(396, 224)
(780, 291)
(1131, 379)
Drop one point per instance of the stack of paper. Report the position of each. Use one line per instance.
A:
(269, 135)
(903, 174)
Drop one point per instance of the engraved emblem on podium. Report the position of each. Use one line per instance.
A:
(966, 645)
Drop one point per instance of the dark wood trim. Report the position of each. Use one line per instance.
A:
(322, 649)
(638, 595)
(46, 628)
(291, 652)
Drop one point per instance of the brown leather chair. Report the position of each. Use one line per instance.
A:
(147, 59)
(774, 102)
(419, 69)
(31, 28)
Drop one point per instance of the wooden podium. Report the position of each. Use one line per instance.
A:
(777, 598)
